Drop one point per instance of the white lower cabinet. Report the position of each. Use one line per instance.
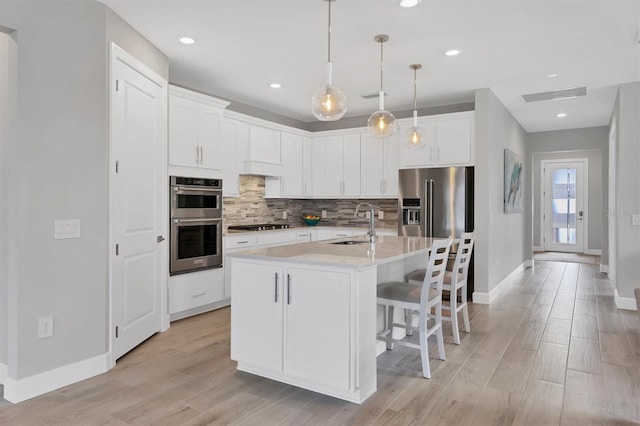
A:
(196, 289)
(293, 322)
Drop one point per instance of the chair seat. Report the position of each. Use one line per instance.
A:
(403, 292)
(418, 275)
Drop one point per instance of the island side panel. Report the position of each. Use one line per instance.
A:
(364, 324)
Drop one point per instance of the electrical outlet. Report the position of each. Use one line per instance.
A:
(380, 214)
(45, 327)
(367, 214)
(284, 214)
(324, 214)
(635, 220)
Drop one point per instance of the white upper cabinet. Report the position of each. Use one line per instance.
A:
(194, 133)
(307, 166)
(448, 141)
(379, 166)
(290, 183)
(336, 166)
(263, 156)
(235, 138)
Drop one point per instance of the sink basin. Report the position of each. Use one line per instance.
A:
(350, 242)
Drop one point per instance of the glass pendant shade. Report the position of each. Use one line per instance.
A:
(413, 136)
(382, 124)
(329, 103)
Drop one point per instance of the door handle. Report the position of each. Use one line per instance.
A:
(276, 288)
(160, 238)
(288, 289)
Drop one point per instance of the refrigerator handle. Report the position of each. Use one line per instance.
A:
(431, 189)
(426, 207)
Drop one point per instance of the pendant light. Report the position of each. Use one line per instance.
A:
(381, 124)
(328, 102)
(413, 135)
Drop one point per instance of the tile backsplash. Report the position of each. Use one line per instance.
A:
(252, 207)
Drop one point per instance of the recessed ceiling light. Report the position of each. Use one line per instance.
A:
(186, 40)
(561, 114)
(453, 52)
(409, 3)
(554, 75)
(275, 85)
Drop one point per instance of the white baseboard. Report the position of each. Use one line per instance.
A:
(628, 303)
(529, 263)
(538, 248)
(488, 298)
(604, 269)
(593, 252)
(4, 372)
(22, 389)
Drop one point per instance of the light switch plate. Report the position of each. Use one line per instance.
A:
(63, 229)
(635, 219)
(380, 214)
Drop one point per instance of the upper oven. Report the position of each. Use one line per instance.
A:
(196, 198)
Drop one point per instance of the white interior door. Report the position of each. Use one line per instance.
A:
(564, 206)
(138, 126)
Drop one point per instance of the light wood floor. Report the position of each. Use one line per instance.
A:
(552, 350)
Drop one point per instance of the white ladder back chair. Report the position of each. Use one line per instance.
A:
(455, 280)
(421, 298)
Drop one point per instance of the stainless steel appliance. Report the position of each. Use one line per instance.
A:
(436, 202)
(196, 224)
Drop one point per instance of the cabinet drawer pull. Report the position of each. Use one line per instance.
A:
(276, 287)
(199, 295)
(288, 289)
(242, 242)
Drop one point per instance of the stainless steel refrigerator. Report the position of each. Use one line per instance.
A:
(436, 202)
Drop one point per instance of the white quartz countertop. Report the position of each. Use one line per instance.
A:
(311, 228)
(358, 256)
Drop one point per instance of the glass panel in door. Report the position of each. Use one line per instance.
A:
(563, 206)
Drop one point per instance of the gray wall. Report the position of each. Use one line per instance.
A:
(502, 243)
(590, 143)
(4, 136)
(62, 153)
(627, 188)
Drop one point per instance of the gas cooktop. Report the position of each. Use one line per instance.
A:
(257, 227)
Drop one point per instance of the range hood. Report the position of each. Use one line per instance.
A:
(260, 168)
(262, 154)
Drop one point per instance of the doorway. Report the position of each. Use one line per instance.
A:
(564, 203)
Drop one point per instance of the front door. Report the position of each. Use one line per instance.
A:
(564, 212)
(138, 124)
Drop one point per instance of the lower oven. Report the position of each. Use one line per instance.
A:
(196, 244)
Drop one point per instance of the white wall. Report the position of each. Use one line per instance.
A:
(590, 143)
(627, 113)
(62, 173)
(502, 243)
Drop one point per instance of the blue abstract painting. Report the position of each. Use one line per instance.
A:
(513, 174)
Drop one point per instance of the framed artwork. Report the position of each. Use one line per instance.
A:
(512, 182)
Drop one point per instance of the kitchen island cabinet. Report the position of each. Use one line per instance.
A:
(306, 314)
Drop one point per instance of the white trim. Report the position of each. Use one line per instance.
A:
(4, 372)
(248, 119)
(488, 298)
(20, 390)
(604, 268)
(529, 263)
(538, 248)
(593, 252)
(196, 96)
(628, 303)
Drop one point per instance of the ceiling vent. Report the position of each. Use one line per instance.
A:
(554, 95)
(373, 95)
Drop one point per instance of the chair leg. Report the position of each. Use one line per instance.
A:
(408, 320)
(453, 304)
(424, 347)
(465, 310)
(390, 328)
(439, 336)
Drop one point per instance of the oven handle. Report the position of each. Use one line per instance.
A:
(181, 188)
(195, 220)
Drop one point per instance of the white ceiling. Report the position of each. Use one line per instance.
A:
(508, 45)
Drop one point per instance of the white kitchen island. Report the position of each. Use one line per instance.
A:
(306, 314)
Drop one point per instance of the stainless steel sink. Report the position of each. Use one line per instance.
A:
(350, 242)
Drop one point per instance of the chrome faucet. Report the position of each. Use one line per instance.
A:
(372, 226)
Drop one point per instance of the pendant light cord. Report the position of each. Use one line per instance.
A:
(329, 35)
(381, 64)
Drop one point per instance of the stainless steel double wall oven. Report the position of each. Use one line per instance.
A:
(196, 224)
